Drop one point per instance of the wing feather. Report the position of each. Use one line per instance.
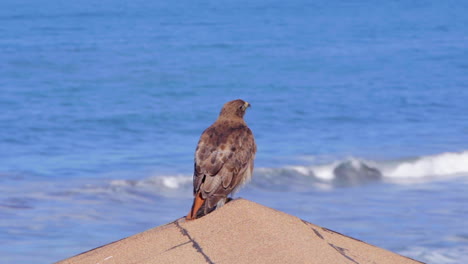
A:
(223, 161)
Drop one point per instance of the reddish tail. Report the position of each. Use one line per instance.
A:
(197, 203)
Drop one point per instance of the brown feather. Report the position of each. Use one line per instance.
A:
(224, 158)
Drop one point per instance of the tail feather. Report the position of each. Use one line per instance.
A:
(202, 207)
(197, 204)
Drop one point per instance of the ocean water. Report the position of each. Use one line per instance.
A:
(359, 109)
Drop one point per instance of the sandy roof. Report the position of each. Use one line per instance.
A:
(240, 232)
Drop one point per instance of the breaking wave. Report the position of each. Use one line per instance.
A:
(342, 173)
(436, 165)
(355, 171)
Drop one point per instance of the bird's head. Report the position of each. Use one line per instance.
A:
(235, 108)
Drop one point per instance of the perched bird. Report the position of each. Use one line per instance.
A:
(224, 159)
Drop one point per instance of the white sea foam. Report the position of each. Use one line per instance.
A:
(435, 165)
(324, 172)
(453, 255)
(169, 182)
(439, 165)
(347, 172)
(174, 186)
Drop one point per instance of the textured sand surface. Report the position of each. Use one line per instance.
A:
(240, 232)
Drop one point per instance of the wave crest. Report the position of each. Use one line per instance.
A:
(342, 173)
(355, 171)
(435, 165)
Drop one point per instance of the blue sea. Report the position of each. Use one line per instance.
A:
(359, 110)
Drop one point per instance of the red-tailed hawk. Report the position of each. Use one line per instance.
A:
(224, 159)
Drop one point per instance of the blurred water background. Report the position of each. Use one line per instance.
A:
(359, 109)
